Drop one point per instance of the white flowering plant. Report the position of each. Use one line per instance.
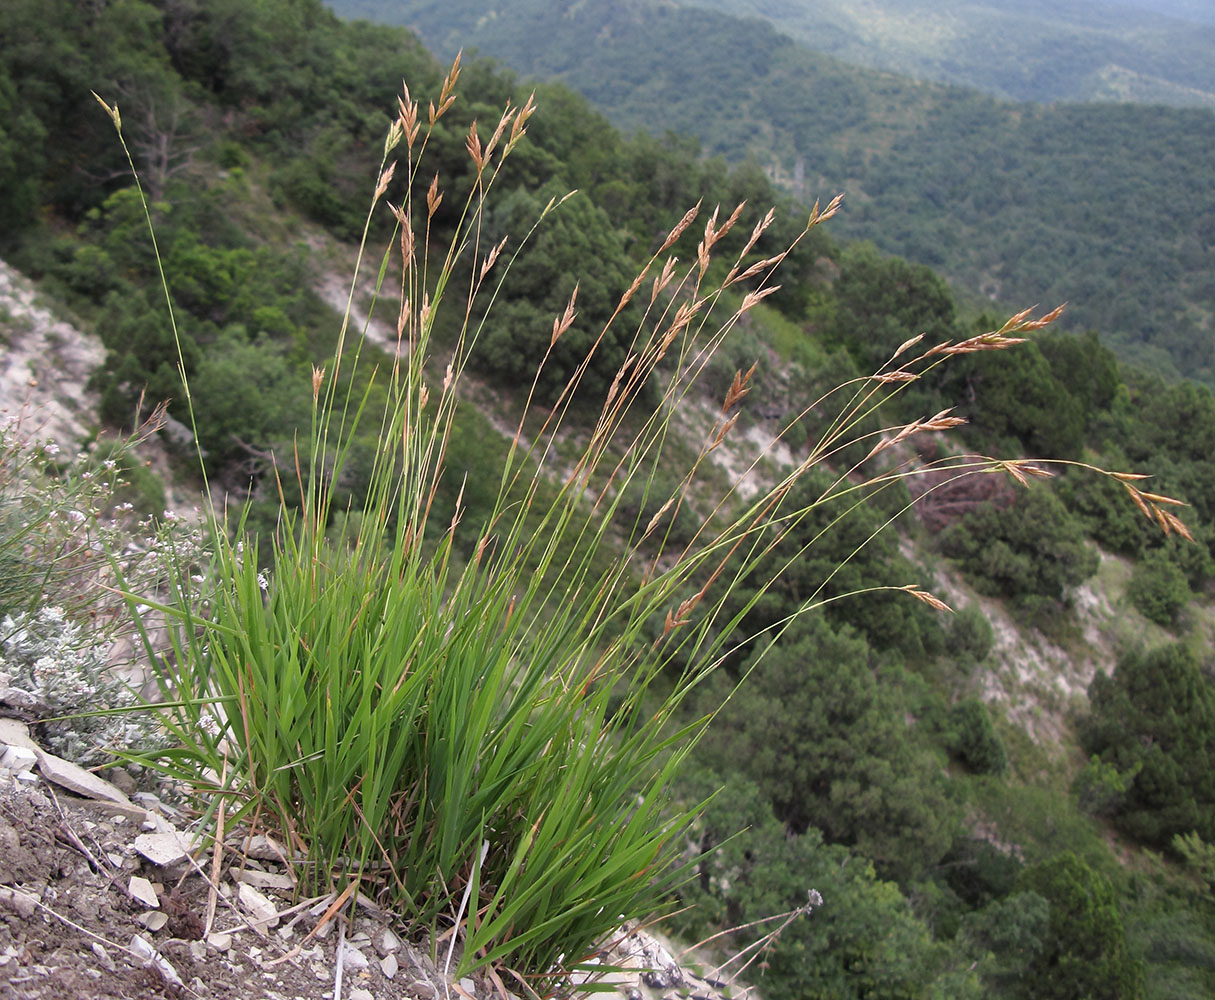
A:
(86, 711)
(66, 539)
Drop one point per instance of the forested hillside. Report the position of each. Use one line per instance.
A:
(1065, 50)
(1107, 207)
(973, 831)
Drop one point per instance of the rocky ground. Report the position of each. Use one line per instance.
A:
(105, 894)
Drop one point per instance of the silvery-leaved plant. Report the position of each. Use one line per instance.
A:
(87, 710)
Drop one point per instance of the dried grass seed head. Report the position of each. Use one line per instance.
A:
(566, 319)
(384, 181)
(518, 126)
(688, 218)
(473, 144)
(434, 197)
(663, 279)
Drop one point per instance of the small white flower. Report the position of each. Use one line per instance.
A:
(51, 448)
(263, 581)
(75, 516)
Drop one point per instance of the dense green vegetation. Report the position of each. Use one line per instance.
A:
(1066, 50)
(1106, 207)
(861, 758)
(1028, 50)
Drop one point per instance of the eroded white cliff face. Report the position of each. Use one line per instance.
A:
(45, 364)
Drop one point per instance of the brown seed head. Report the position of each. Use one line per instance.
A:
(754, 269)
(754, 298)
(1137, 497)
(458, 512)
(407, 116)
(706, 244)
(473, 145)
(518, 127)
(895, 376)
(1178, 525)
(816, 216)
(449, 82)
(566, 319)
(1046, 320)
(407, 243)
(433, 197)
(943, 421)
(927, 598)
(507, 115)
(615, 386)
(665, 344)
(759, 230)
(491, 258)
(1013, 470)
(683, 316)
(632, 289)
(739, 387)
(723, 431)
(657, 517)
(688, 217)
(384, 181)
(664, 279)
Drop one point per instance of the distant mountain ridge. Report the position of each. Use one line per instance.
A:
(1028, 50)
(1109, 207)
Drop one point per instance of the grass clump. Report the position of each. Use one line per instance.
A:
(479, 722)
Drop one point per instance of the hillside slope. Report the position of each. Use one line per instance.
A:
(1025, 50)
(936, 778)
(1108, 207)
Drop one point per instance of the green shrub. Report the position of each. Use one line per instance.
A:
(1100, 788)
(863, 941)
(827, 741)
(1084, 951)
(1154, 722)
(1158, 589)
(973, 740)
(1032, 549)
(970, 634)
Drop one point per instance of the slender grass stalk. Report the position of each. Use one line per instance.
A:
(480, 740)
